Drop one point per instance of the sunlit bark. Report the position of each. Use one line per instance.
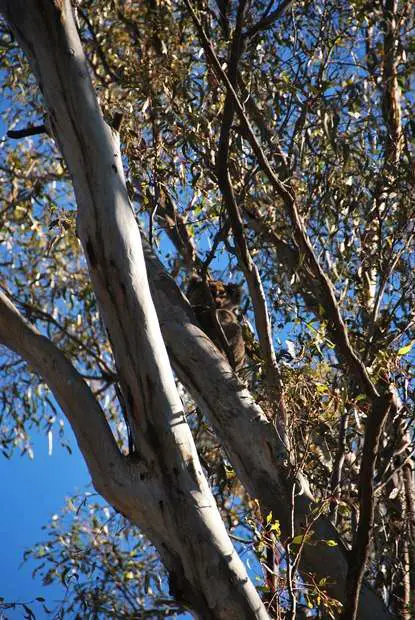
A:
(177, 509)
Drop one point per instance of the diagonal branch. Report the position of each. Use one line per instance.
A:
(253, 444)
(84, 413)
(36, 312)
(250, 270)
(337, 327)
(165, 491)
(114, 75)
(268, 19)
(174, 224)
(336, 324)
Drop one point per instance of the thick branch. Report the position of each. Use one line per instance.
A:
(178, 512)
(391, 106)
(17, 134)
(252, 443)
(93, 434)
(361, 545)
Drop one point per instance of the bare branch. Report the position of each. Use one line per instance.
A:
(255, 448)
(250, 270)
(359, 554)
(268, 19)
(391, 106)
(17, 134)
(166, 493)
(336, 324)
(175, 226)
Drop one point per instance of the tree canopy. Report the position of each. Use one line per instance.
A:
(265, 144)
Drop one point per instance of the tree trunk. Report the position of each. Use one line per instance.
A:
(166, 493)
(161, 487)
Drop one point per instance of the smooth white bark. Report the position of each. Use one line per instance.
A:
(162, 489)
(252, 442)
(177, 509)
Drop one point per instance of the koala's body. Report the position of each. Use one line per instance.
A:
(214, 303)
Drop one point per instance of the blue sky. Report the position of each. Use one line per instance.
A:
(32, 491)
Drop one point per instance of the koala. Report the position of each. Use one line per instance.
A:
(214, 303)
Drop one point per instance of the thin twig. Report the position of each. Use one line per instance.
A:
(337, 326)
(268, 19)
(17, 134)
(108, 373)
(117, 77)
(336, 476)
(249, 268)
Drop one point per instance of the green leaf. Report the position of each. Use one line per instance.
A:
(320, 387)
(406, 349)
(312, 329)
(297, 540)
(360, 397)
(331, 543)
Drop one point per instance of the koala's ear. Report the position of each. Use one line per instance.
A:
(234, 292)
(197, 293)
(194, 280)
(194, 284)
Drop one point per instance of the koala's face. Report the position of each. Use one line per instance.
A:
(227, 295)
(218, 292)
(234, 293)
(226, 298)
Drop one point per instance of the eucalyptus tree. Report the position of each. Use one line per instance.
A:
(267, 144)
